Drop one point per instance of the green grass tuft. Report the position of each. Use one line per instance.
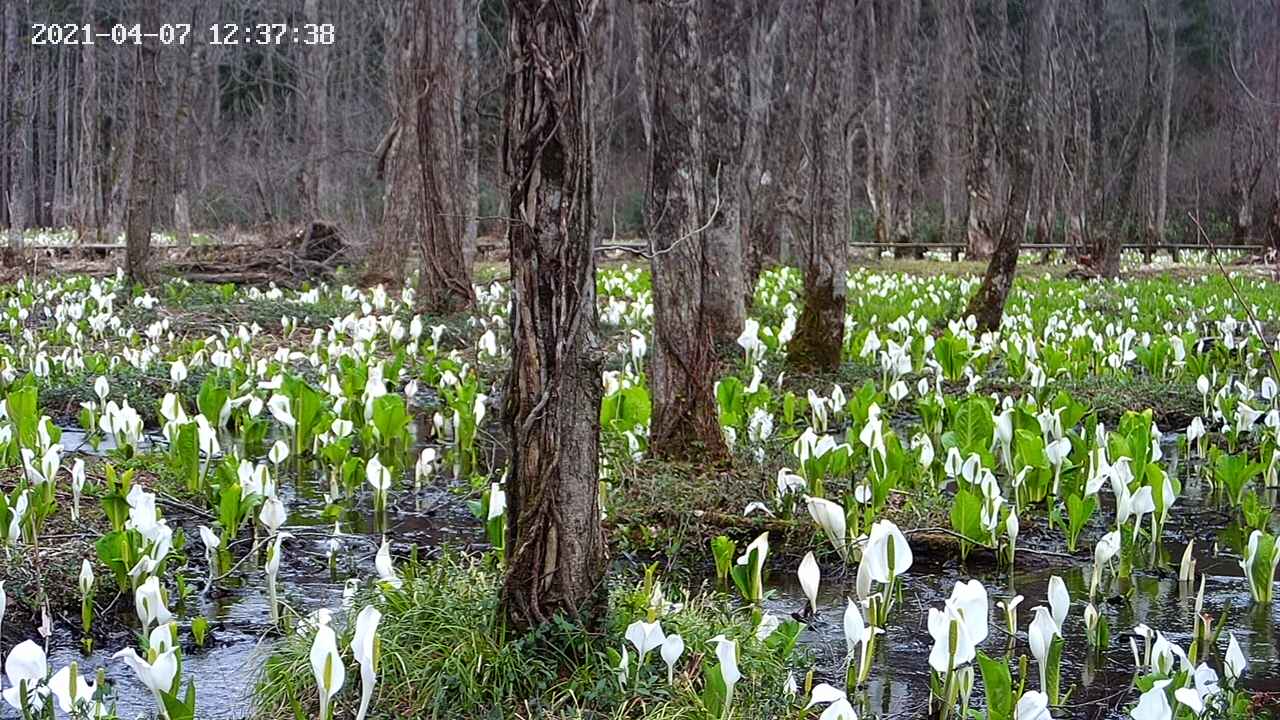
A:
(445, 654)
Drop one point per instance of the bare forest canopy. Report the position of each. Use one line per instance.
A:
(1142, 112)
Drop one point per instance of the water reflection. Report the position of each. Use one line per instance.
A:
(240, 636)
(899, 683)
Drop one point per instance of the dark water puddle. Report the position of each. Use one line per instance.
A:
(1100, 684)
(434, 516)
(240, 635)
(76, 441)
(899, 683)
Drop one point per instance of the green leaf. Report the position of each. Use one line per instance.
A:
(999, 687)
(186, 455)
(180, 709)
(1261, 573)
(1053, 669)
(1030, 447)
(741, 575)
(783, 639)
(24, 413)
(731, 398)
(722, 549)
(966, 515)
(952, 354)
(972, 426)
(1078, 513)
(211, 398)
(626, 409)
(390, 417)
(114, 551)
(715, 694)
(115, 506)
(230, 510)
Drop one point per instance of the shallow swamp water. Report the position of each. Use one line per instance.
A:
(241, 635)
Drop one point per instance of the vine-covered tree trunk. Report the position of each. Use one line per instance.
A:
(819, 337)
(555, 543)
(680, 212)
(423, 205)
(140, 208)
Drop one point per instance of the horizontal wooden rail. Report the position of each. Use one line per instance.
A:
(640, 245)
(908, 247)
(112, 247)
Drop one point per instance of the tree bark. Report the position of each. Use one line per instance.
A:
(556, 545)
(1273, 222)
(680, 211)
(142, 203)
(819, 339)
(987, 304)
(317, 180)
(980, 230)
(724, 278)
(1166, 115)
(1112, 244)
(88, 182)
(21, 156)
(182, 136)
(471, 123)
(1246, 169)
(758, 218)
(948, 15)
(424, 197)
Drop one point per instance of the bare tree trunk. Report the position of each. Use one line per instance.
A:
(721, 126)
(57, 144)
(1041, 210)
(316, 180)
(21, 198)
(471, 122)
(182, 126)
(1166, 114)
(119, 151)
(424, 205)
(140, 210)
(819, 339)
(556, 545)
(1273, 222)
(8, 77)
(1246, 170)
(679, 214)
(1127, 181)
(644, 93)
(881, 129)
(980, 231)
(758, 217)
(88, 182)
(946, 12)
(987, 304)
